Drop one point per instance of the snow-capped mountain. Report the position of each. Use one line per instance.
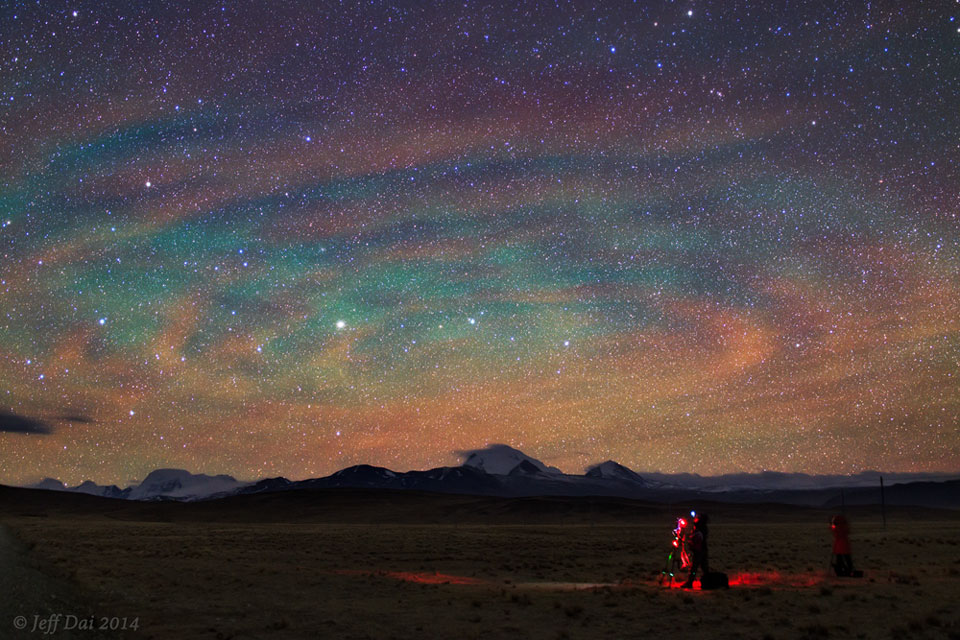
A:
(89, 487)
(611, 470)
(162, 484)
(179, 484)
(500, 470)
(526, 468)
(49, 484)
(94, 489)
(500, 459)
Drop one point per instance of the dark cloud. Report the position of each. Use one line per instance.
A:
(13, 423)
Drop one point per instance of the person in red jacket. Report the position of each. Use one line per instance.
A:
(842, 559)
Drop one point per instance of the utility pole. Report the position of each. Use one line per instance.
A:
(883, 504)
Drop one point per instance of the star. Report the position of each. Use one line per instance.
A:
(746, 225)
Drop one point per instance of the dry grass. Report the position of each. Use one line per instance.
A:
(197, 580)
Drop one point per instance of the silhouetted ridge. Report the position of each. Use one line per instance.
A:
(500, 470)
(525, 468)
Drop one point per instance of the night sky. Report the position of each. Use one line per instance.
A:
(282, 238)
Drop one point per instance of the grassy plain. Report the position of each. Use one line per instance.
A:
(219, 579)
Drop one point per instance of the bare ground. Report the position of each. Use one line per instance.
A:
(309, 580)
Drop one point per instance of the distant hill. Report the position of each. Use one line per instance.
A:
(775, 480)
(502, 471)
(384, 506)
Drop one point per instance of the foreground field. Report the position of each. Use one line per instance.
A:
(323, 580)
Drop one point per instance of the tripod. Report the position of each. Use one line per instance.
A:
(677, 559)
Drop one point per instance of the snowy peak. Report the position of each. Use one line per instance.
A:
(502, 460)
(526, 468)
(89, 487)
(49, 484)
(94, 489)
(501, 470)
(181, 484)
(611, 470)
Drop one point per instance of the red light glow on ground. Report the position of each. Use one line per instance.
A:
(770, 579)
(422, 577)
(419, 577)
(775, 579)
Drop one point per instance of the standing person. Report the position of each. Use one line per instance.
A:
(698, 549)
(842, 559)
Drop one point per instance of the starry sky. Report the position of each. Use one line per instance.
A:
(281, 238)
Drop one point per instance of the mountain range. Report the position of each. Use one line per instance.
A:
(500, 470)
